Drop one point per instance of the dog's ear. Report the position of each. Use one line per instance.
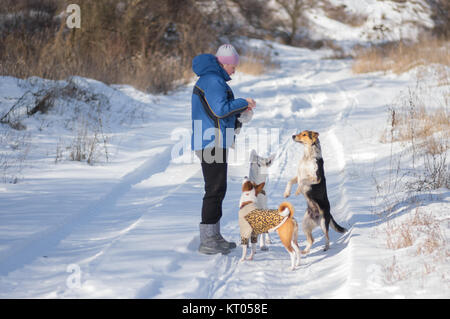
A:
(259, 188)
(247, 186)
(314, 136)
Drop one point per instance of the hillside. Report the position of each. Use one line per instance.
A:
(128, 42)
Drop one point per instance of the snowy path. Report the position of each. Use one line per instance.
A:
(137, 237)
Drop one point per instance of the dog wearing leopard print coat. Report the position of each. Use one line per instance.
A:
(254, 221)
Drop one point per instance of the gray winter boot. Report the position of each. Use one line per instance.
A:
(222, 242)
(209, 243)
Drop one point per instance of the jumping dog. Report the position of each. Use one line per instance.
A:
(312, 184)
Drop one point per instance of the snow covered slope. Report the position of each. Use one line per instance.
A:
(128, 228)
(369, 20)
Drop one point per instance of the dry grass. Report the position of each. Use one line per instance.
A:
(256, 62)
(419, 123)
(421, 232)
(398, 236)
(401, 56)
(148, 44)
(420, 120)
(395, 272)
(407, 233)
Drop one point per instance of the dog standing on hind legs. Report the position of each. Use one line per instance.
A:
(258, 175)
(312, 184)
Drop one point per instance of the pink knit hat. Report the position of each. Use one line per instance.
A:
(226, 54)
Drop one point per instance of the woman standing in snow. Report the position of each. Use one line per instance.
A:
(215, 116)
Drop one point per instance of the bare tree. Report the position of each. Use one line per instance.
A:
(294, 10)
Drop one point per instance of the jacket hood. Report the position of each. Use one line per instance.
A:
(207, 63)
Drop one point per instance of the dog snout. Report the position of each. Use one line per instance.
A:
(293, 137)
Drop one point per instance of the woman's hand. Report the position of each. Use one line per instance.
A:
(251, 103)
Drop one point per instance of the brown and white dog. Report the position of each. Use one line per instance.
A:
(258, 174)
(312, 184)
(254, 221)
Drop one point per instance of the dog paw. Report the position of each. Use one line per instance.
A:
(264, 248)
(249, 258)
(286, 195)
(304, 252)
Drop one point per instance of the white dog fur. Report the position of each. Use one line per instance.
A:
(258, 174)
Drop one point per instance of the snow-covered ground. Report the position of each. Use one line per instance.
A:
(127, 227)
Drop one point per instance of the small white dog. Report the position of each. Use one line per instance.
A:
(258, 175)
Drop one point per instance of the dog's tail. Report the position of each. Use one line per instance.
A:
(286, 209)
(336, 226)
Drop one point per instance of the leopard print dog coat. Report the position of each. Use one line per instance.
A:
(254, 221)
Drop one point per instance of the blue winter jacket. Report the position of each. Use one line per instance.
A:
(213, 95)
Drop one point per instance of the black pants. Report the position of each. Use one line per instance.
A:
(215, 176)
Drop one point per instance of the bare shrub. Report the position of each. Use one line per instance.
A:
(89, 110)
(440, 15)
(88, 144)
(395, 272)
(421, 233)
(398, 236)
(420, 229)
(260, 18)
(294, 9)
(425, 130)
(85, 114)
(15, 147)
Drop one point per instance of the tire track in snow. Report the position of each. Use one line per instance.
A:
(329, 269)
(335, 165)
(91, 264)
(39, 244)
